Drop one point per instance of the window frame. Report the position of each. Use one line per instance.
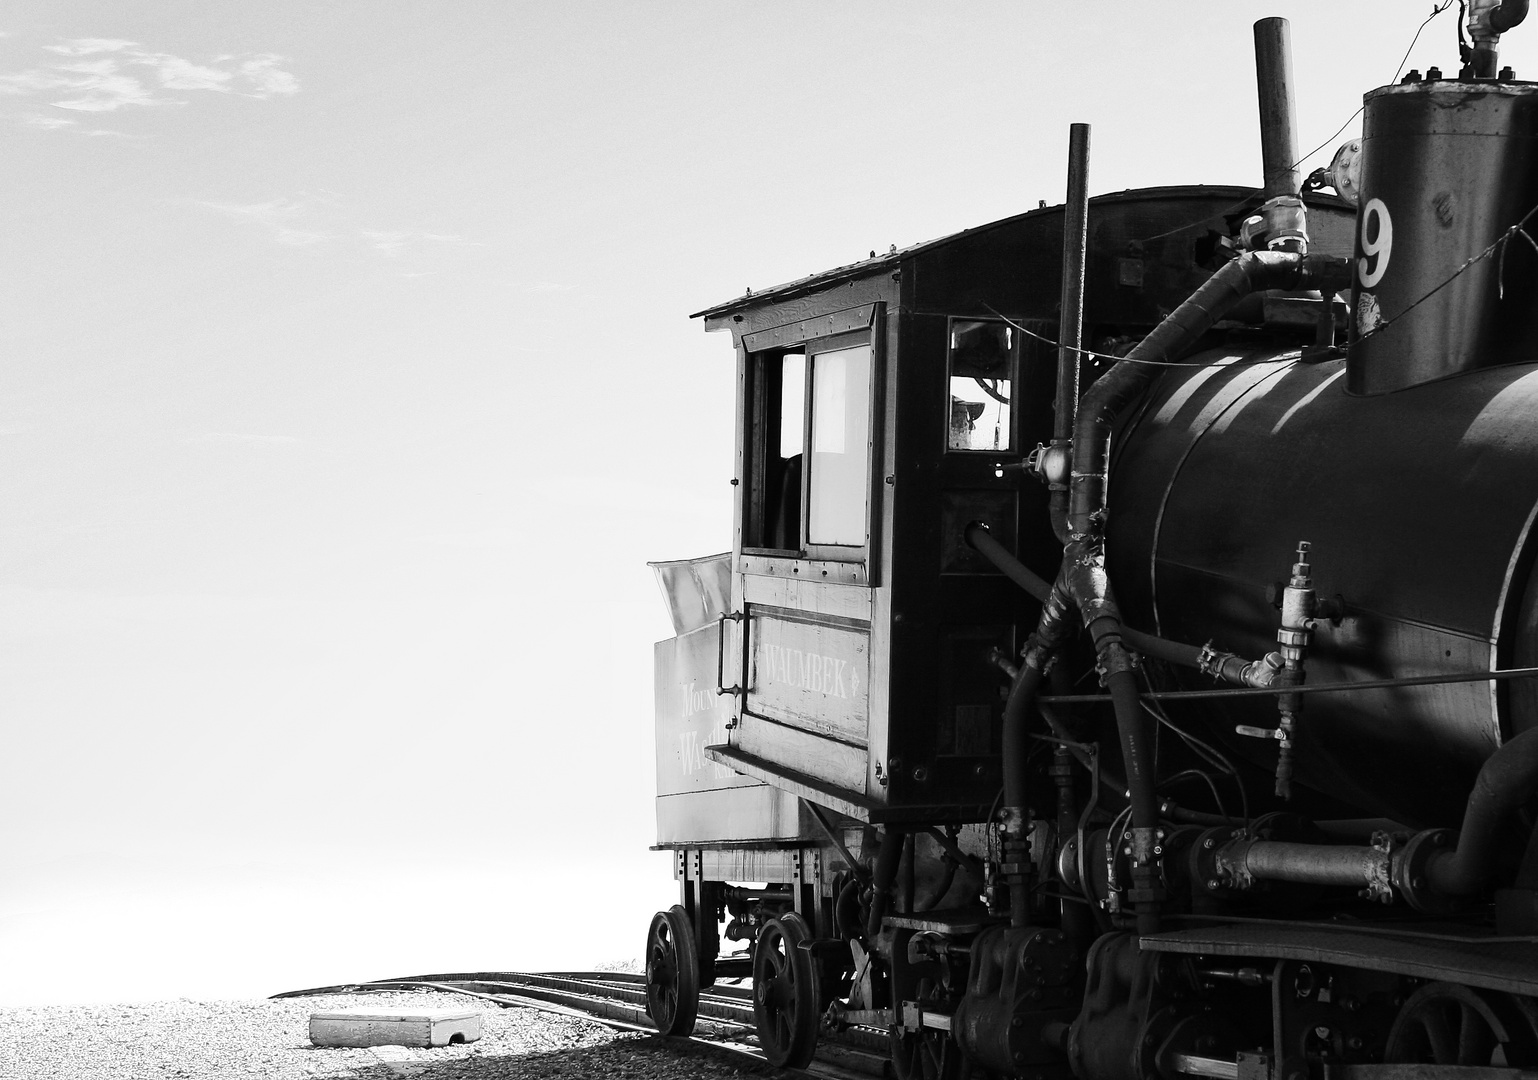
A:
(830, 562)
(1015, 354)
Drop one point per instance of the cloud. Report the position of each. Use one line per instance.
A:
(392, 243)
(90, 46)
(107, 74)
(322, 217)
(59, 123)
(279, 217)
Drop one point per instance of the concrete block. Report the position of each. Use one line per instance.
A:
(401, 1027)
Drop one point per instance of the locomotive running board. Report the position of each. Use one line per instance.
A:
(797, 783)
(1508, 964)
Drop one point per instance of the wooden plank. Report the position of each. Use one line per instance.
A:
(786, 758)
(748, 864)
(755, 812)
(838, 322)
(406, 1027)
(810, 672)
(809, 594)
(689, 713)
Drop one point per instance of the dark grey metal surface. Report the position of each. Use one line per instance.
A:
(1507, 964)
(1419, 506)
(1448, 167)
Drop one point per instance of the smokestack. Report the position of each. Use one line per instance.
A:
(1278, 116)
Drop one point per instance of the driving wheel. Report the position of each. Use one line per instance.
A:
(928, 1054)
(785, 993)
(1447, 1024)
(672, 973)
(925, 1055)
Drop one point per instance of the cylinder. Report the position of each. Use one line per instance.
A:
(1278, 123)
(1448, 167)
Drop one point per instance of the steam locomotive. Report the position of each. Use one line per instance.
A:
(1123, 665)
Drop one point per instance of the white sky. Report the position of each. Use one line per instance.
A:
(348, 385)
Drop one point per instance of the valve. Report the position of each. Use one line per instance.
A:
(1049, 463)
(1301, 610)
(1299, 603)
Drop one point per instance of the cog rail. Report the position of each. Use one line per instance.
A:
(618, 999)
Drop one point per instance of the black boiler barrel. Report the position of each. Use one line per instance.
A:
(1419, 506)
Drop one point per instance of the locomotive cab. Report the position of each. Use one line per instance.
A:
(882, 408)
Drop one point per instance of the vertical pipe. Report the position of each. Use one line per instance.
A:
(1070, 331)
(1278, 114)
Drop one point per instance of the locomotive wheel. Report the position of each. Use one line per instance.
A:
(925, 1055)
(785, 993)
(672, 973)
(1447, 1024)
(929, 1054)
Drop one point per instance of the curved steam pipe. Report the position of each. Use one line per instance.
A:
(888, 855)
(1509, 14)
(1116, 389)
(1508, 779)
(1231, 668)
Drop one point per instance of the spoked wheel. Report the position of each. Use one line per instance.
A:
(1447, 1024)
(929, 1054)
(785, 993)
(925, 1055)
(672, 973)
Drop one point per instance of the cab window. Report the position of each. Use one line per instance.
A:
(810, 437)
(982, 364)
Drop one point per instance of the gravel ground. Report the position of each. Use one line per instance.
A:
(245, 1040)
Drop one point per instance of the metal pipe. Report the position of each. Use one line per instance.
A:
(1018, 709)
(887, 858)
(833, 838)
(1070, 333)
(1488, 20)
(1224, 664)
(1315, 864)
(1509, 14)
(1507, 780)
(1278, 115)
(951, 848)
(982, 541)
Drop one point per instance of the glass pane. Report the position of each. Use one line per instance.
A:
(782, 469)
(840, 480)
(981, 355)
(792, 404)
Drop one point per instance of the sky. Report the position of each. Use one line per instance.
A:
(347, 385)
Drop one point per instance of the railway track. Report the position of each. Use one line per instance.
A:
(618, 999)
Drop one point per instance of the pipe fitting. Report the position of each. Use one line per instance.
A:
(1230, 668)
